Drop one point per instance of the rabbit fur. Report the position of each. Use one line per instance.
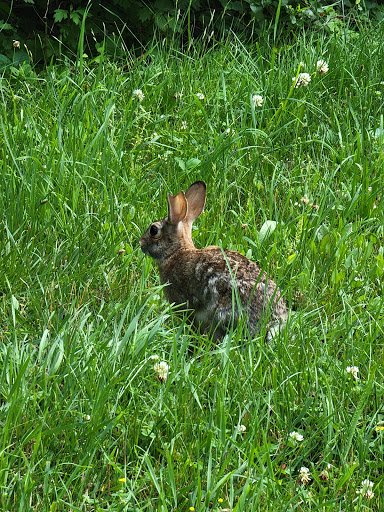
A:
(211, 282)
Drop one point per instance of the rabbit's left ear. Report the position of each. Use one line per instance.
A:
(195, 196)
(177, 208)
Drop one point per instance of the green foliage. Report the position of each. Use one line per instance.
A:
(51, 29)
(295, 182)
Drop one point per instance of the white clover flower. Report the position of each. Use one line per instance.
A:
(242, 429)
(87, 417)
(178, 95)
(369, 189)
(162, 370)
(184, 125)
(322, 67)
(230, 131)
(155, 357)
(200, 95)
(366, 489)
(304, 475)
(353, 370)
(302, 79)
(324, 475)
(296, 436)
(165, 156)
(138, 94)
(257, 100)
(305, 199)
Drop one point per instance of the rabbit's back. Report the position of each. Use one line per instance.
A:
(211, 282)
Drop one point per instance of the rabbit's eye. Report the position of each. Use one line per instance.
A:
(153, 230)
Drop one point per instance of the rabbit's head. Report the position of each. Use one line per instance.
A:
(173, 233)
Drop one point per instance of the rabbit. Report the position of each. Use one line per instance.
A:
(210, 281)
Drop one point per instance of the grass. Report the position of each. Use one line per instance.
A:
(295, 185)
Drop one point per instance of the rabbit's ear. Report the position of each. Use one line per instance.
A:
(195, 196)
(177, 208)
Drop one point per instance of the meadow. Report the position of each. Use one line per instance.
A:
(294, 172)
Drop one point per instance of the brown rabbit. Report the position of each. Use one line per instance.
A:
(209, 281)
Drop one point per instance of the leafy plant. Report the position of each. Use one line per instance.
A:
(50, 29)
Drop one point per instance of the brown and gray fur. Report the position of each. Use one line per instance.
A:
(211, 282)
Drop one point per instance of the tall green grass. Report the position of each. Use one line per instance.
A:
(85, 167)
